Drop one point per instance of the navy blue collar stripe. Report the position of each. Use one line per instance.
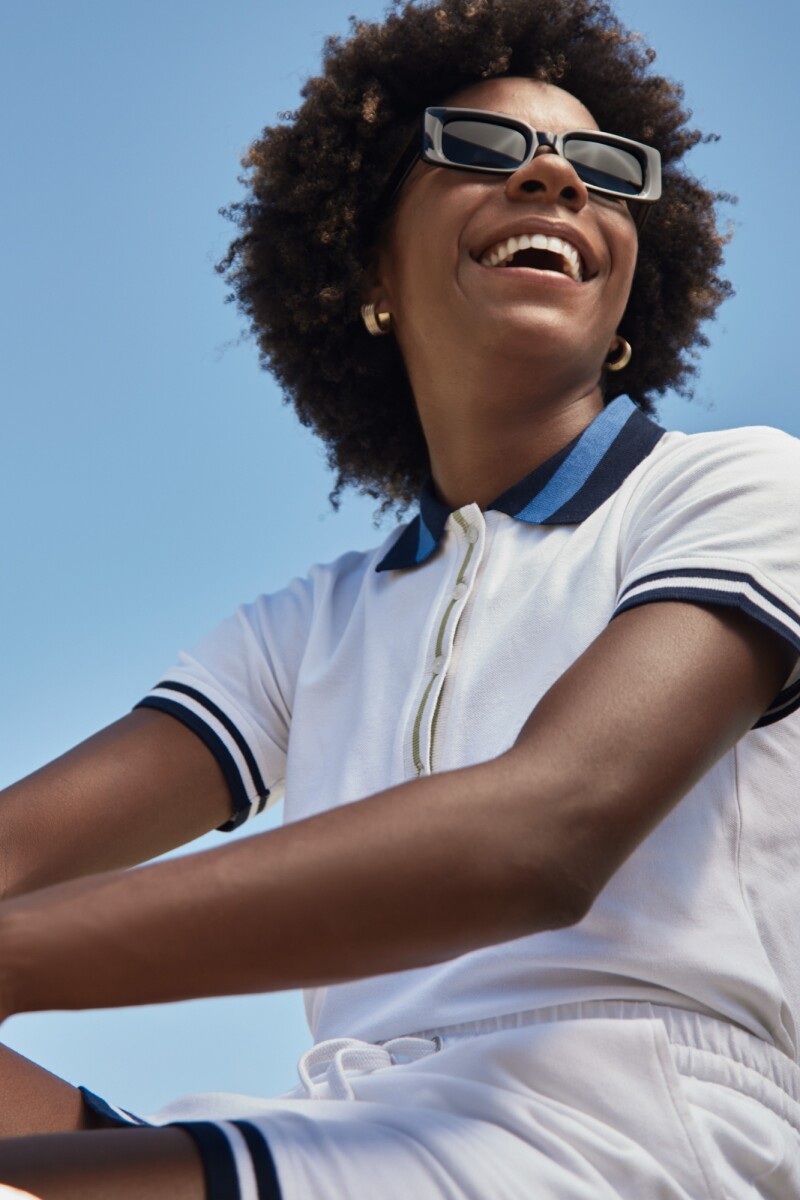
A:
(405, 550)
(638, 436)
(588, 451)
(426, 542)
(565, 490)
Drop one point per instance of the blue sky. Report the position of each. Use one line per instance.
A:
(150, 478)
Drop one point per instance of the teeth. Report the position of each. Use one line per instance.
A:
(505, 251)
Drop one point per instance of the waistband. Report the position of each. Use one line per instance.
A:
(702, 1046)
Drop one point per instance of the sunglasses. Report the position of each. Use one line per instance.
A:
(469, 139)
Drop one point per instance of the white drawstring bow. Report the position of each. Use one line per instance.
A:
(330, 1061)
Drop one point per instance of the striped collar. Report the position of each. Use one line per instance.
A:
(565, 490)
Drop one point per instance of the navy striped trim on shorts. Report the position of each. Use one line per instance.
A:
(214, 1148)
(109, 1112)
(219, 1162)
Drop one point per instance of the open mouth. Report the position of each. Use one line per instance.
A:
(536, 251)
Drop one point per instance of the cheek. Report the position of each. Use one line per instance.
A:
(420, 263)
(426, 235)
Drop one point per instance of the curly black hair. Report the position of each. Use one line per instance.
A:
(312, 214)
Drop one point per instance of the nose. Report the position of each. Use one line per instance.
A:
(550, 178)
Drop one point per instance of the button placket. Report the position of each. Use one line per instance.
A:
(424, 727)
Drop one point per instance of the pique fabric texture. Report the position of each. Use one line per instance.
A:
(428, 653)
(386, 674)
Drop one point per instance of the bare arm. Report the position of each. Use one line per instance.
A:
(429, 869)
(136, 789)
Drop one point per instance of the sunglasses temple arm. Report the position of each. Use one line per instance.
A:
(640, 213)
(400, 174)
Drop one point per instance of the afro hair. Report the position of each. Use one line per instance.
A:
(312, 215)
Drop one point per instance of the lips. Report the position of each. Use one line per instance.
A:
(536, 251)
(542, 246)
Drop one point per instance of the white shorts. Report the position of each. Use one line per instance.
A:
(592, 1101)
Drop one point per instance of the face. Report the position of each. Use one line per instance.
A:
(433, 271)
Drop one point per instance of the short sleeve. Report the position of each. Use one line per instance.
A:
(716, 520)
(235, 690)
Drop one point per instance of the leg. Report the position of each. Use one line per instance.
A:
(128, 1164)
(34, 1101)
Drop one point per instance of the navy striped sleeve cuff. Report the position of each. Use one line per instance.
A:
(249, 793)
(735, 589)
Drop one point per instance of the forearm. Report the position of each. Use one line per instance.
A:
(418, 874)
(432, 868)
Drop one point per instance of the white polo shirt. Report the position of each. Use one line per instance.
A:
(430, 652)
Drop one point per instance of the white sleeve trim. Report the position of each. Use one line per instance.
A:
(206, 717)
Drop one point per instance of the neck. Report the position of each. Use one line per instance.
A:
(484, 434)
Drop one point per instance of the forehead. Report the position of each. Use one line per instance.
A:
(542, 105)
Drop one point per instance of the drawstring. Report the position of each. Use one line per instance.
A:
(329, 1062)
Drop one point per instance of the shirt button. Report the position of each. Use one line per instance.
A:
(472, 534)
(460, 591)
(437, 665)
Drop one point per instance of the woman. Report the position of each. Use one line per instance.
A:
(546, 949)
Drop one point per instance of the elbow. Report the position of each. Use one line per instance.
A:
(564, 907)
(537, 903)
(573, 908)
(555, 896)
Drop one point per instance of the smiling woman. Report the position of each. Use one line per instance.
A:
(429, 274)
(536, 747)
(297, 268)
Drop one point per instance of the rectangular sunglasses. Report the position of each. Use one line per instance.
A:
(468, 139)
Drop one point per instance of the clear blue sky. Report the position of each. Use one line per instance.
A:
(150, 478)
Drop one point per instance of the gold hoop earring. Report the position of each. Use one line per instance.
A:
(377, 323)
(623, 357)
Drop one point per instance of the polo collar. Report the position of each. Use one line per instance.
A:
(565, 490)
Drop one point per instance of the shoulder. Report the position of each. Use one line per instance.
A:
(754, 465)
(326, 587)
(747, 451)
(351, 571)
(713, 518)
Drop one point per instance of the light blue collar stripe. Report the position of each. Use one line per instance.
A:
(588, 451)
(426, 544)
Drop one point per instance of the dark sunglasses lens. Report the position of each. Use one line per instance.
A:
(483, 145)
(602, 166)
